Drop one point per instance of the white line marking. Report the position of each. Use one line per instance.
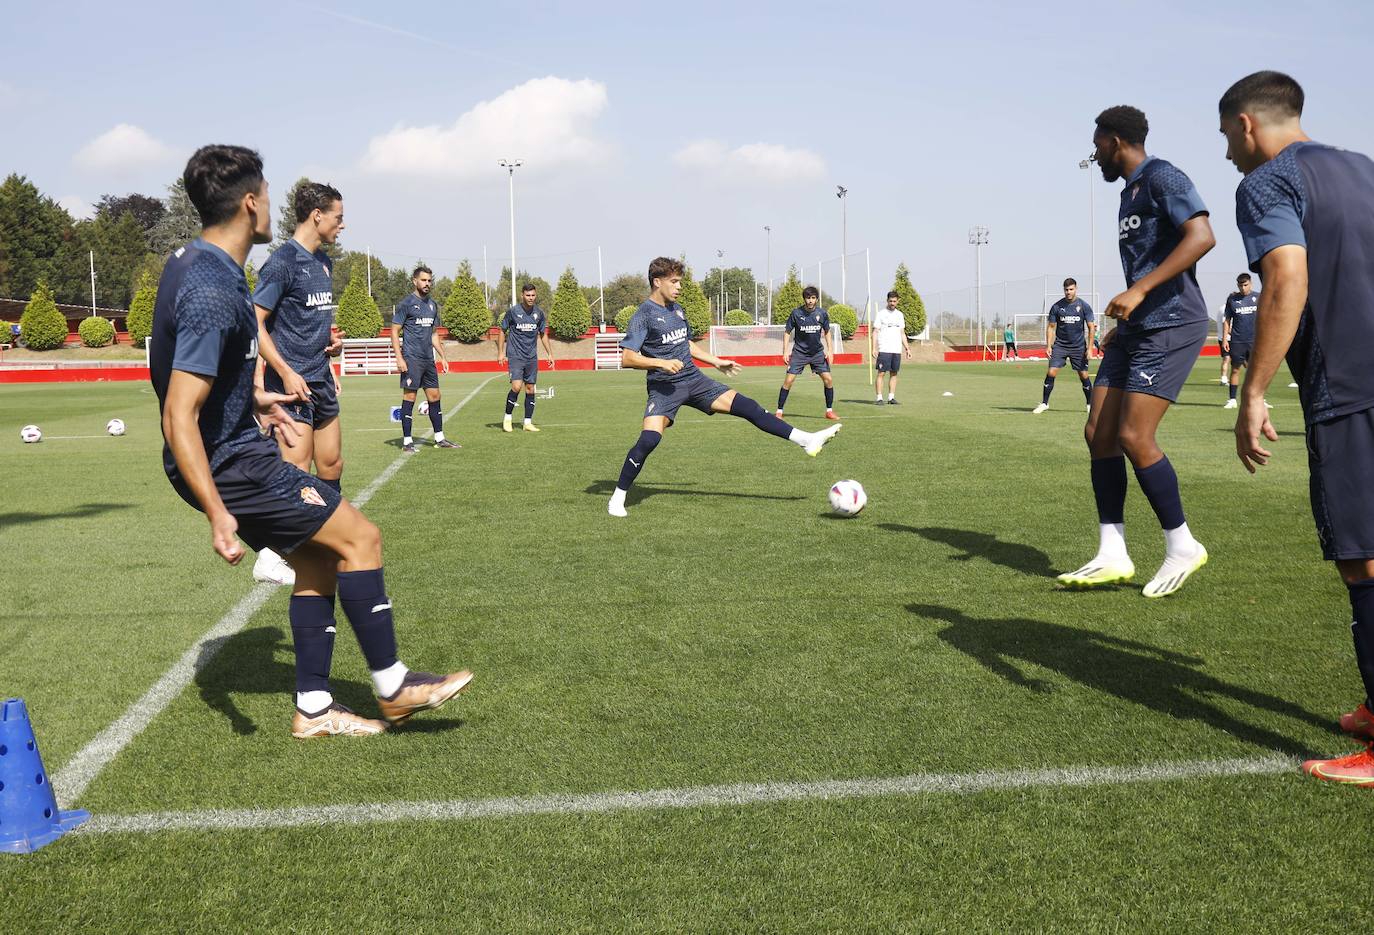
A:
(74, 778)
(692, 797)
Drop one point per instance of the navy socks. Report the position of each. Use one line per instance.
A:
(364, 600)
(1160, 484)
(830, 397)
(335, 482)
(1088, 391)
(1049, 388)
(782, 398)
(1109, 488)
(1362, 628)
(312, 634)
(1232, 390)
(407, 417)
(436, 416)
(529, 405)
(511, 397)
(634, 461)
(745, 408)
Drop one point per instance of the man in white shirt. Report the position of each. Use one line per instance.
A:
(889, 335)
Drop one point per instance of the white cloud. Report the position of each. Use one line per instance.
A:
(545, 122)
(77, 207)
(122, 148)
(756, 162)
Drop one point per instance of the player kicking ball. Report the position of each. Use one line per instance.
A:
(658, 340)
(1163, 322)
(204, 355)
(808, 330)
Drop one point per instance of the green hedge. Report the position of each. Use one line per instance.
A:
(844, 316)
(738, 316)
(139, 322)
(96, 331)
(909, 301)
(358, 316)
(465, 312)
(787, 298)
(570, 315)
(695, 305)
(622, 318)
(42, 325)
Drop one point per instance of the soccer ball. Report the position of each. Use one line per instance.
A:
(847, 497)
(115, 426)
(31, 434)
(423, 408)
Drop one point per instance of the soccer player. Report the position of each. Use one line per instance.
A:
(1069, 330)
(1009, 343)
(525, 323)
(1306, 213)
(1221, 349)
(295, 307)
(1162, 323)
(889, 336)
(658, 340)
(1238, 331)
(204, 354)
(808, 328)
(415, 341)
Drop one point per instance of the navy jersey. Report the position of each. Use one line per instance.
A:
(417, 318)
(808, 330)
(295, 286)
(1070, 320)
(204, 323)
(1321, 198)
(1240, 312)
(1156, 201)
(663, 334)
(523, 329)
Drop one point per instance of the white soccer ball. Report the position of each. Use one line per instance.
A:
(423, 408)
(847, 497)
(115, 426)
(31, 434)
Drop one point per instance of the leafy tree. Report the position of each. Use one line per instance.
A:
(139, 322)
(179, 225)
(442, 288)
(569, 316)
(738, 316)
(33, 228)
(845, 317)
(626, 289)
(909, 301)
(622, 318)
(42, 325)
(788, 297)
(96, 331)
(465, 313)
(119, 246)
(358, 316)
(151, 265)
(695, 305)
(250, 274)
(146, 209)
(739, 285)
(500, 292)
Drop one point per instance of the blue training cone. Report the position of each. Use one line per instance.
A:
(28, 809)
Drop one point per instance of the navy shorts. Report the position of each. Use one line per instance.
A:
(698, 391)
(889, 363)
(526, 371)
(1340, 456)
(277, 505)
(1156, 362)
(798, 363)
(1075, 357)
(419, 375)
(322, 405)
(1240, 353)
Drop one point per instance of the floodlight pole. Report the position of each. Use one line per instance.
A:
(486, 277)
(601, 285)
(720, 288)
(510, 165)
(978, 237)
(1092, 223)
(844, 240)
(369, 270)
(768, 233)
(93, 282)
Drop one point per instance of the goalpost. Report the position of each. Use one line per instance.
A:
(1029, 330)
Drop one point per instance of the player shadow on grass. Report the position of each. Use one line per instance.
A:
(259, 661)
(76, 512)
(973, 544)
(641, 492)
(1156, 678)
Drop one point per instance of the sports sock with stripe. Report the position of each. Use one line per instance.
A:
(1362, 629)
(362, 595)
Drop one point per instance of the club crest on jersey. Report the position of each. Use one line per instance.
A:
(312, 496)
(325, 267)
(680, 315)
(1135, 190)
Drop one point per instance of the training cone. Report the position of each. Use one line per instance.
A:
(28, 809)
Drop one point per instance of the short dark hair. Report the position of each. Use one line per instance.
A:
(529, 287)
(894, 294)
(1264, 90)
(810, 291)
(217, 177)
(1070, 282)
(421, 268)
(1243, 277)
(663, 267)
(1124, 121)
(314, 196)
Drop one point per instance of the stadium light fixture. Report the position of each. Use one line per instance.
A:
(840, 193)
(768, 268)
(1092, 221)
(510, 165)
(978, 237)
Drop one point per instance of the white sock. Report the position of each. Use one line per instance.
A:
(438, 436)
(388, 680)
(529, 422)
(798, 437)
(408, 440)
(891, 397)
(314, 702)
(880, 397)
(1111, 544)
(618, 496)
(1179, 542)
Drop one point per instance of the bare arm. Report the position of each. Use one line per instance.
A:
(438, 343)
(829, 347)
(1197, 240)
(637, 361)
(548, 349)
(720, 363)
(396, 347)
(1284, 270)
(501, 345)
(1050, 328)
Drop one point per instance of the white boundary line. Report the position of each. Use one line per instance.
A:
(692, 797)
(71, 782)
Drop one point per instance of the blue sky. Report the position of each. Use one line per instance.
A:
(684, 130)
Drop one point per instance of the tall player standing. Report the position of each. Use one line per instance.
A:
(415, 342)
(204, 355)
(1306, 214)
(808, 329)
(1069, 329)
(1238, 332)
(526, 323)
(889, 336)
(295, 307)
(1163, 232)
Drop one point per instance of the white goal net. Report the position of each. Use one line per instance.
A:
(757, 340)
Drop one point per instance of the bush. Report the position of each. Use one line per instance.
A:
(42, 325)
(96, 331)
(622, 318)
(7, 333)
(570, 315)
(358, 316)
(738, 316)
(844, 316)
(465, 312)
(139, 321)
(695, 305)
(909, 301)
(787, 298)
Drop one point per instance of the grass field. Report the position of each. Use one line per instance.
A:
(1021, 758)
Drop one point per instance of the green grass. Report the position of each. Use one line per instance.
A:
(729, 630)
